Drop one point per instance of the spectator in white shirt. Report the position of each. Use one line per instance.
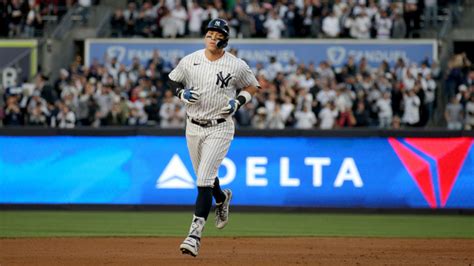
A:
(372, 9)
(275, 119)
(363, 25)
(295, 77)
(384, 106)
(178, 117)
(408, 80)
(384, 25)
(167, 110)
(211, 12)
(196, 14)
(384, 4)
(105, 99)
(273, 68)
(287, 108)
(399, 69)
(351, 25)
(180, 17)
(290, 67)
(424, 69)
(259, 70)
(325, 71)
(343, 100)
(150, 11)
(325, 95)
(259, 121)
(339, 7)
(304, 98)
(430, 94)
(411, 113)
(327, 116)
(170, 4)
(358, 9)
(36, 101)
(271, 102)
(305, 119)
(112, 67)
(169, 26)
(65, 118)
(136, 117)
(331, 26)
(414, 70)
(274, 26)
(308, 82)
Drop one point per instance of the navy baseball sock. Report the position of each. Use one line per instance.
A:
(217, 192)
(203, 202)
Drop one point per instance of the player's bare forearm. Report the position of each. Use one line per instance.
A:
(251, 89)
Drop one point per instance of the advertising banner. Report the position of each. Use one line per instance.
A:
(254, 51)
(18, 61)
(279, 171)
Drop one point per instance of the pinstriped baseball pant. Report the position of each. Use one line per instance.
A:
(207, 148)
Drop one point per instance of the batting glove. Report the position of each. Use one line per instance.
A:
(232, 107)
(190, 95)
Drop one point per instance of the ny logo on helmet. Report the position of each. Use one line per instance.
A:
(224, 81)
(218, 23)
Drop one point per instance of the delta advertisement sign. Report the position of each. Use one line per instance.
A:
(254, 51)
(280, 171)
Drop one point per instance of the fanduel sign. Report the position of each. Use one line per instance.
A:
(254, 51)
(279, 171)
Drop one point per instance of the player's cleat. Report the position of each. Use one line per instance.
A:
(222, 210)
(190, 246)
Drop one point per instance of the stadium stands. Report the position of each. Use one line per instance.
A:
(360, 19)
(296, 95)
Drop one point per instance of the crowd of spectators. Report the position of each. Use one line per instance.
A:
(360, 19)
(294, 95)
(274, 19)
(459, 90)
(26, 18)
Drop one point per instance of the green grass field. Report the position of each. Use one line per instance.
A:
(95, 223)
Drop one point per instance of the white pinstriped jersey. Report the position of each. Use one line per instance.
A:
(216, 81)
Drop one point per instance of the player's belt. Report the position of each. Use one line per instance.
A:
(207, 123)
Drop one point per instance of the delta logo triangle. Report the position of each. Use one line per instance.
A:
(175, 176)
(448, 156)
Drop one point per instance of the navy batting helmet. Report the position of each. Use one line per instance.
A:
(221, 26)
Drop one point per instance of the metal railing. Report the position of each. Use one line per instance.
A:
(103, 29)
(446, 27)
(65, 24)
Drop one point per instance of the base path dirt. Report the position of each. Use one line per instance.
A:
(236, 251)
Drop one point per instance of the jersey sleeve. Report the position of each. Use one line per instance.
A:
(178, 74)
(246, 77)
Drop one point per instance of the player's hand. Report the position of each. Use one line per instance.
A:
(231, 107)
(190, 95)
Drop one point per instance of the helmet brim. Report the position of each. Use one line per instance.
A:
(223, 32)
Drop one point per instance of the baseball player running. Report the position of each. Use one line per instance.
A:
(207, 82)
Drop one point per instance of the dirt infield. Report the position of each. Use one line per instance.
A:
(236, 251)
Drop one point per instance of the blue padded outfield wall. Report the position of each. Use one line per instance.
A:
(254, 51)
(370, 172)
